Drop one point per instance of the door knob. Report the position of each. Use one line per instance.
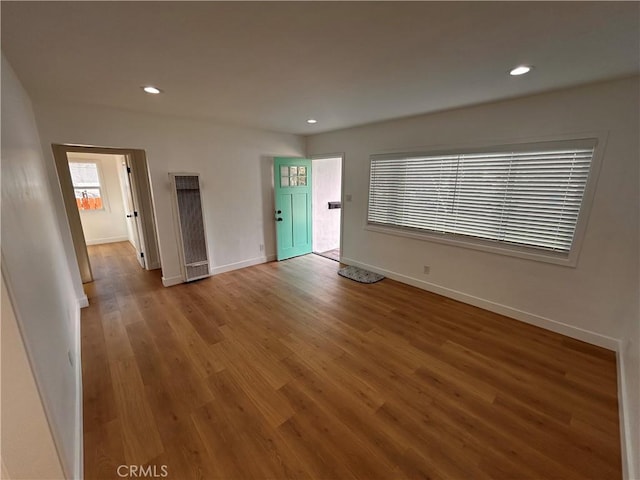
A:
(279, 212)
(129, 216)
(279, 219)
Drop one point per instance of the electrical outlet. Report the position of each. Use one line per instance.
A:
(427, 269)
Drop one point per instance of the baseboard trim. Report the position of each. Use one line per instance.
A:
(175, 280)
(171, 281)
(83, 301)
(628, 464)
(100, 241)
(588, 336)
(79, 447)
(247, 263)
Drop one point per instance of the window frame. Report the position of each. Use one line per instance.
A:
(103, 196)
(496, 247)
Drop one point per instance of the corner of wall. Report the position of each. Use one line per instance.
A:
(305, 145)
(630, 457)
(33, 452)
(624, 431)
(171, 281)
(44, 323)
(83, 302)
(78, 464)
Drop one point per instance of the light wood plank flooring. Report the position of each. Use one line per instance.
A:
(289, 371)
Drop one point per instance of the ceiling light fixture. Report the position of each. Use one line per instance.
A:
(312, 121)
(152, 90)
(520, 70)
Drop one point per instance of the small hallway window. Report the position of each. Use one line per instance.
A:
(86, 185)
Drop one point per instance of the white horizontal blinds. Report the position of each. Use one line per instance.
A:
(529, 196)
(412, 192)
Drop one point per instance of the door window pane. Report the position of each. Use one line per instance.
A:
(293, 176)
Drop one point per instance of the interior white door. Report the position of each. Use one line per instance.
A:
(134, 225)
(128, 205)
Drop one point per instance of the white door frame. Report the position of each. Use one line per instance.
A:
(143, 202)
(341, 157)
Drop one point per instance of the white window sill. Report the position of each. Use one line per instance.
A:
(481, 245)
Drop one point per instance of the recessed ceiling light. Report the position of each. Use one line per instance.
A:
(312, 120)
(152, 90)
(520, 70)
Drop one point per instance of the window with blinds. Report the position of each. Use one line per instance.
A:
(525, 195)
(85, 177)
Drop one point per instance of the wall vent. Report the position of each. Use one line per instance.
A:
(190, 225)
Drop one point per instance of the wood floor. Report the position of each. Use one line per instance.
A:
(289, 371)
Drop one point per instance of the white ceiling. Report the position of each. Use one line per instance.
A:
(272, 65)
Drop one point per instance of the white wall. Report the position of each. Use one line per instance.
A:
(629, 359)
(235, 166)
(35, 266)
(326, 177)
(25, 429)
(108, 225)
(598, 300)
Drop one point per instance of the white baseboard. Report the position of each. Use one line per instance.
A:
(247, 263)
(628, 455)
(593, 338)
(78, 466)
(100, 241)
(171, 281)
(626, 430)
(177, 279)
(549, 324)
(83, 301)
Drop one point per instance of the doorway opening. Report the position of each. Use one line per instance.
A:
(107, 197)
(327, 205)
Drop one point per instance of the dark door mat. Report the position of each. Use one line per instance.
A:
(360, 275)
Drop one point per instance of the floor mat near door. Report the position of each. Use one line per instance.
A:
(360, 275)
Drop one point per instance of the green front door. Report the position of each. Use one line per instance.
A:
(292, 183)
